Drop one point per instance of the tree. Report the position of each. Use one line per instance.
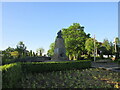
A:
(75, 38)
(89, 46)
(50, 52)
(0, 53)
(21, 48)
(40, 51)
(30, 53)
(111, 49)
(15, 54)
(6, 56)
(6, 53)
(34, 54)
(106, 44)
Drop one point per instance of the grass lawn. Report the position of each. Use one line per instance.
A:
(84, 78)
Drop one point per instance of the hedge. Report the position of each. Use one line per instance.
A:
(11, 74)
(54, 66)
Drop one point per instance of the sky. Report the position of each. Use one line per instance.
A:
(119, 19)
(37, 23)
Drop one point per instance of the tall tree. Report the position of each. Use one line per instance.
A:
(6, 52)
(50, 52)
(31, 53)
(75, 38)
(40, 51)
(106, 44)
(89, 46)
(111, 49)
(21, 48)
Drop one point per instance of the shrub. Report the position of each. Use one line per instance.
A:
(11, 74)
(55, 66)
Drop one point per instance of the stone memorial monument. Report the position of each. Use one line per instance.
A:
(59, 51)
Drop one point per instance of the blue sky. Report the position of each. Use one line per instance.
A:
(36, 23)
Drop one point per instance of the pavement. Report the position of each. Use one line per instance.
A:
(106, 64)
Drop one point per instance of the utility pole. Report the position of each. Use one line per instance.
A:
(94, 49)
(115, 45)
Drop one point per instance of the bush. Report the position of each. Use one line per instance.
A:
(55, 66)
(6, 60)
(11, 74)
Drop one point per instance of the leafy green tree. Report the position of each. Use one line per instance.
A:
(102, 51)
(40, 51)
(106, 44)
(75, 38)
(21, 48)
(111, 49)
(50, 52)
(89, 46)
(6, 53)
(30, 53)
(0, 53)
(15, 54)
(34, 54)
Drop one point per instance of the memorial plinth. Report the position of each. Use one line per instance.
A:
(59, 50)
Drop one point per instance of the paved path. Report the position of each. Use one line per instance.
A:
(107, 65)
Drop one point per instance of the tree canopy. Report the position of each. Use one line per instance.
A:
(74, 37)
(40, 51)
(51, 50)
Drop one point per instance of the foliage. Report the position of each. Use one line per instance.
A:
(21, 48)
(10, 54)
(75, 38)
(111, 48)
(105, 48)
(106, 44)
(14, 54)
(31, 53)
(89, 45)
(11, 74)
(51, 50)
(40, 51)
(117, 41)
(55, 66)
(74, 78)
(83, 78)
(6, 55)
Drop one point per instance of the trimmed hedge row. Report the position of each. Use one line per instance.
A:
(55, 66)
(11, 74)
